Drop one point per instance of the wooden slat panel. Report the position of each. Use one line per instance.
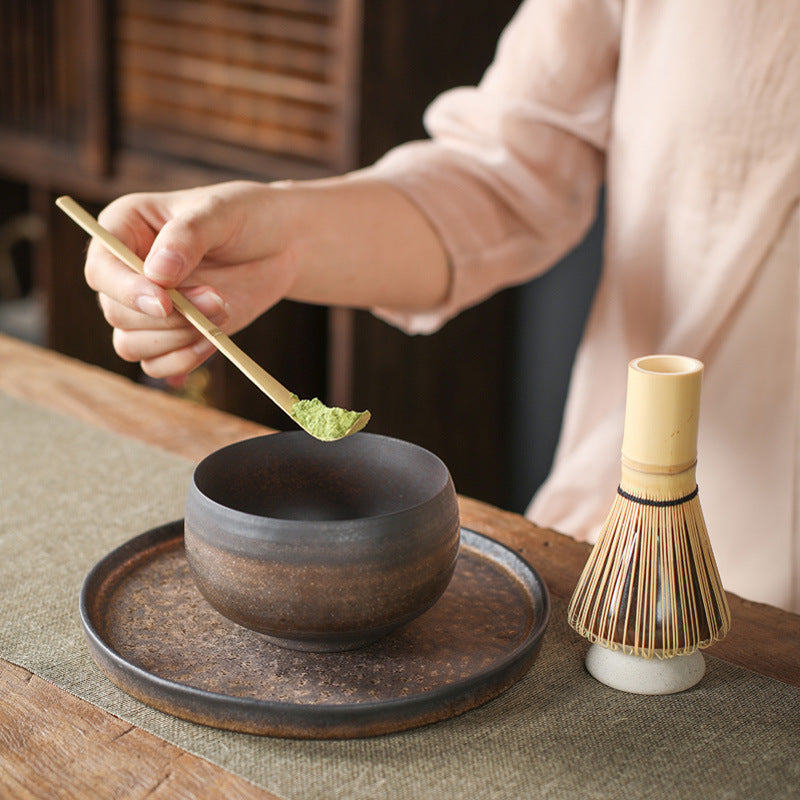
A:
(143, 90)
(180, 67)
(300, 27)
(96, 62)
(276, 55)
(53, 74)
(65, 66)
(231, 129)
(26, 99)
(266, 76)
(324, 8)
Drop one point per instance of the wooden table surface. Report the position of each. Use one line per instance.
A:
(53, 744)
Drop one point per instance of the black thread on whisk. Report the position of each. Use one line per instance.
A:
(658, 503)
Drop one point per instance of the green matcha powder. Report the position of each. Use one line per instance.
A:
(322, 421)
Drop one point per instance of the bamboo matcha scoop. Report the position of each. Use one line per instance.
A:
(322, 422)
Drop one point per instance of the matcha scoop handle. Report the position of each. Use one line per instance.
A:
(279, 394)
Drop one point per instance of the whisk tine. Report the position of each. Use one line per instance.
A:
(650, 586)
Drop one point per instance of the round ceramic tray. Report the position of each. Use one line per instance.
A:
(153, 635)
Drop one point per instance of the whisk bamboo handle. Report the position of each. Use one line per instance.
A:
(661, 416)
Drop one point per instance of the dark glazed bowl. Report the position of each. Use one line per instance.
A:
(322, 545)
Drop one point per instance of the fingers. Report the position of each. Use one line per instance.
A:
(178, 362)
(152, 345)
(117, 282)
(172, 232)
(187, 236)
(110, 277)
(192, 240)
(164, 347)
(121, 315)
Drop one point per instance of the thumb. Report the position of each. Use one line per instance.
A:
(177, 250)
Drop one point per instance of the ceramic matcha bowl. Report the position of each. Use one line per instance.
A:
(322, 546)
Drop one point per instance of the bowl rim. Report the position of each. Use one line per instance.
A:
(341, 525)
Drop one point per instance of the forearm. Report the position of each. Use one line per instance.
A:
(360, 242)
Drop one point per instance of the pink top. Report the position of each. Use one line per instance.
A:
(690, 113)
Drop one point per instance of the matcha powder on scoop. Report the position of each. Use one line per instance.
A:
(322, 421)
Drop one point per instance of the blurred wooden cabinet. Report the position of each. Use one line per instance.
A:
(101, 98)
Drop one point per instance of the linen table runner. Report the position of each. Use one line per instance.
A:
(71, 493)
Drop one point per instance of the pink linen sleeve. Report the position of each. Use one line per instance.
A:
(510, 176)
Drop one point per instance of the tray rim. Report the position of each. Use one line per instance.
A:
(317, 716)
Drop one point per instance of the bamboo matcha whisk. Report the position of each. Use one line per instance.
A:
(650, 594)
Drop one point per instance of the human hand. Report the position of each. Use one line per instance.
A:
(235, 249)
(223, 246)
